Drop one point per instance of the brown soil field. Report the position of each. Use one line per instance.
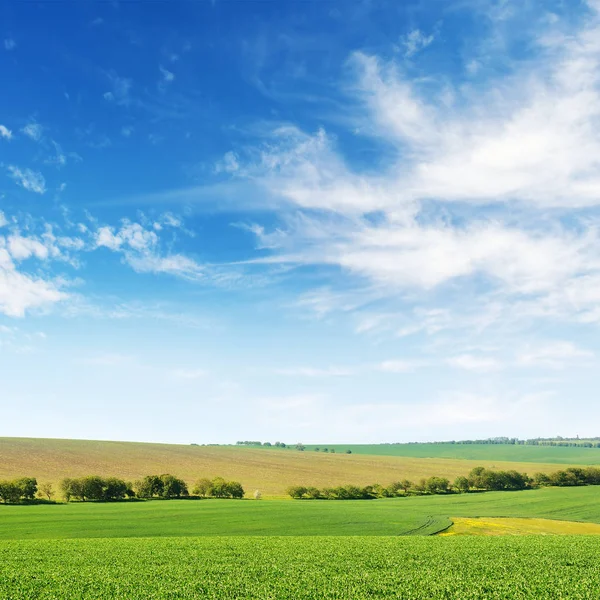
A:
(269, 470)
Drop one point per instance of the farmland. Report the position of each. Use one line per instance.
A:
(302, 568)
(422, 515)
(556, 455)
(270, 470)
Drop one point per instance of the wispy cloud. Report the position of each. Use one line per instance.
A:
(120, 91)
(188, 374)
(415, 41)
(456, 205)
(141, 250)
(479, 364)
(554, 354)
(166, 77)
(5, 132)
(32, 181)
(9, 44)
(33, 131)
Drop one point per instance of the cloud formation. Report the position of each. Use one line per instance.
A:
(32, 181)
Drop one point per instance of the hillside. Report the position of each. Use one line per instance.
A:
(489, 452)
(269, 470)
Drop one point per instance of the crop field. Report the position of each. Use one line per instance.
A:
(269, 470)
(553, 455)
(424, 515)
(302, 568)
(518, 526)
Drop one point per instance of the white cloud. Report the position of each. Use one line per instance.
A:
(9, 44)
(415, 41)
(315, 372)
(188, 374)
(33, 181)
(121, 89)
(33, 131)
(460, 196)
(166, 75)
(140, 248)
(469, 362)
(21, 248)
(3, 219)
(5, 132)
(554, 354)
(108, 360)
(20, 292)
(400, 366)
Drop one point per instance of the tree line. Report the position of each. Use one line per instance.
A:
(479, 479)
(110, 489)
(593, 442)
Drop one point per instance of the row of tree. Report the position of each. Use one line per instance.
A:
(106, 489)
(557, 441)
(479, 479)
(18, 490)
(151, 486)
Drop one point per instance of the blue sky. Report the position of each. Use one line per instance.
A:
(301, 221)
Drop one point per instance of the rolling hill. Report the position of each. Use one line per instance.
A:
(269, 470)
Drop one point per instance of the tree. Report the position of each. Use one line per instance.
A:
(203, 487)
(92, 488)
(437, 485)
(300, 446)
(406, 485)
(348, 451)
(27, 487)
(114, 489)
(149, 486)
(394, 488)
(235, 489)
(313, 493)
(66, 488)
(296, 491)
(219, 488)
(541, 480)
(9, 492)
(47, 490)
(461, 484)
(173, 487)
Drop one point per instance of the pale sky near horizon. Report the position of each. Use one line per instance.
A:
(342, 221)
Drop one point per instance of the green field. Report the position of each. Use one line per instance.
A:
(295, 568)
(484, 452)
(421, 515)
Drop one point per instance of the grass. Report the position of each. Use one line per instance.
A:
(269, 470)
(423, 515)
(552, 455)
(512, 526)
(302, 568)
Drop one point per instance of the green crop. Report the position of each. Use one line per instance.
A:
(301, 568)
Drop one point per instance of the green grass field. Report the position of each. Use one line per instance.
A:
(423, 515)
(482, 452)
(293, 568)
